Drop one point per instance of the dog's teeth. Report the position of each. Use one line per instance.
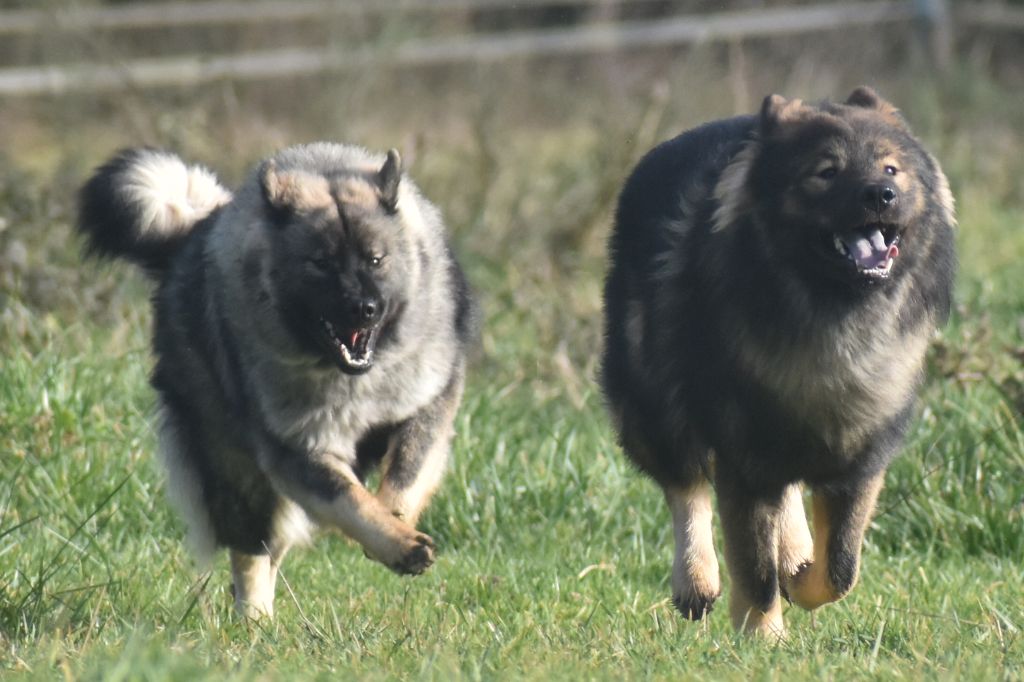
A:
(362, 362)
(840, 246)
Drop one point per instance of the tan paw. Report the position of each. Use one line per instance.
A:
(810, 587)
(416, 556)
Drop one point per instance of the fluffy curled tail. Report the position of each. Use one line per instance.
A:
(142, 204)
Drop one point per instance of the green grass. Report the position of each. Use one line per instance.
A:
(554, 554)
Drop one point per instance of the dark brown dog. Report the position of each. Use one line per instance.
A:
(774, 282)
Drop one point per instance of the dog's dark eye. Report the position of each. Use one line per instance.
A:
(322, 264)
(890, 170)
(375, 261)
(828, 172)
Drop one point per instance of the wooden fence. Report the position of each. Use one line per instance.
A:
(603, 33)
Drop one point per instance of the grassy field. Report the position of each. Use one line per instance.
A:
(554, 554)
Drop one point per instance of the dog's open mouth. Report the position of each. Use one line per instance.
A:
(872, 249)
(353, 348)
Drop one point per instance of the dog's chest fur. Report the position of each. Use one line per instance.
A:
(846, 378)
(322, 409)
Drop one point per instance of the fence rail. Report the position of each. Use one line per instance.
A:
(581, 39)
(991, 16)
(175, 14)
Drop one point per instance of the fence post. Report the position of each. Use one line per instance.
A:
(936, 30)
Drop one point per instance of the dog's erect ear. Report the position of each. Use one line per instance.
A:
(273, 194)
(866, 98)
(388, 178)
(776, 111)
(293, 190)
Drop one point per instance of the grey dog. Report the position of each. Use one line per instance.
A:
(308, 328)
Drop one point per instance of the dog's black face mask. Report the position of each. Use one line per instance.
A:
(337, 257)
(351, 312)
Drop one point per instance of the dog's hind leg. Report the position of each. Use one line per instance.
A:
(418, 455)
(254, 576)
(695, 580)
(840, 518)
(796, 549)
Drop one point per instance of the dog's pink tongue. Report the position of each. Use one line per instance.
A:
(870, 251)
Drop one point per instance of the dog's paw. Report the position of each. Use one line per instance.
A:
(812, 587)
(693, 606)
(416, 557)
(787, 581)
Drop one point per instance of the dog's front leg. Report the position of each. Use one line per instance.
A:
(327, 488)
(695, 580)
(840, 517)
(796, 547)
(418, 455)
(750, 524)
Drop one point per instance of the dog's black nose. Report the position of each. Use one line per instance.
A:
(879, 197)
(367, 310)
